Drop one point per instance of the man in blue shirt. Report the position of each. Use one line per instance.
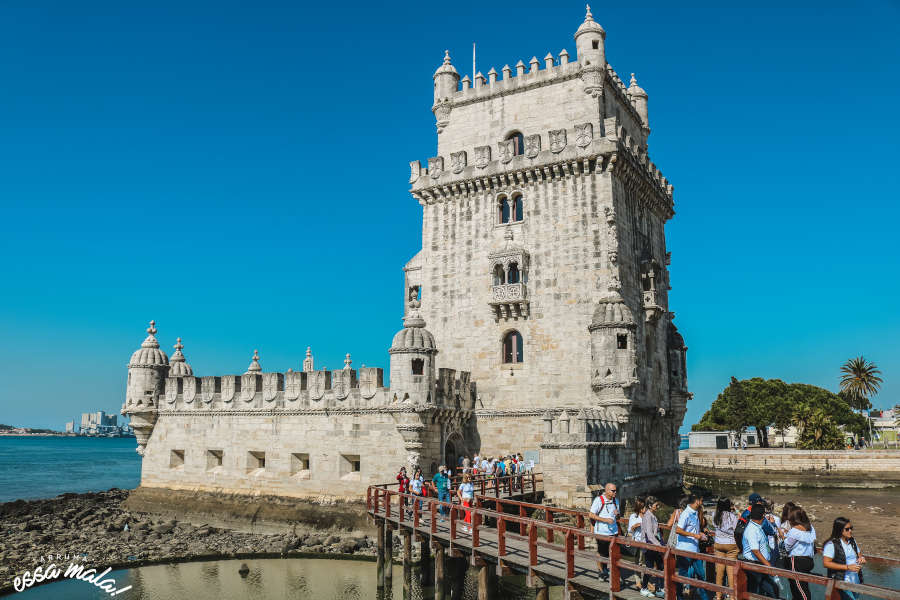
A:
(440, 483)
(755, 498)
(604, 515)
(689, 538)
(756, 549)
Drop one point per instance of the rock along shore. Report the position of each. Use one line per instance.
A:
(111, 534)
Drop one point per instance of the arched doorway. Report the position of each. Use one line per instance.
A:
(453, 449)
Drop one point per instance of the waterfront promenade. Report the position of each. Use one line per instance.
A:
(550, 546)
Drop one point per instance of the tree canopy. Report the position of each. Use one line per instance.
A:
(759, 403)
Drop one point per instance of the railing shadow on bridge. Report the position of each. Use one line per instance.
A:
(547, 544)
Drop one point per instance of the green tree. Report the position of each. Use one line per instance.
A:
(817, 430)
(860, 380)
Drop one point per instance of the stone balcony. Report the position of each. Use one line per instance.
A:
(509, 301)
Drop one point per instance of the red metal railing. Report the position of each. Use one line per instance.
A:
(572, 543)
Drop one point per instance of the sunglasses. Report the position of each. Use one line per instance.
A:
(848, 528)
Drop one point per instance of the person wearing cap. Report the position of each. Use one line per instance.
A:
(767, 526)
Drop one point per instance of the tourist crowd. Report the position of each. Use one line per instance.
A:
(756, 534)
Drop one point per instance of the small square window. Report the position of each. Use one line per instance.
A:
(256, 461)
(300, 465)
(596, 44)
(213, 459)
(176, 459)
(622, 341)
(418, 366)
(351, 467)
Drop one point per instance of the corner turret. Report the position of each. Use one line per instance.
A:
(147, 371)
(590, 42)
(613, 356)
(446, 83)
(412, 361)
(178, 366)
(638, 98)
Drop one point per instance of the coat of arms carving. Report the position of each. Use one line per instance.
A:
(248, 387)
(507, 150)
(171, 389)
(482, 156)
(270, 386)
(340, 383)
(316, 384)
(190, 389)
(227, 392)
(532, 145)
(207, 389)
(584, 134)
(557, 140)
(293, 384)
(436, 166)
(458, 161)
(368, 382)
(415, 170)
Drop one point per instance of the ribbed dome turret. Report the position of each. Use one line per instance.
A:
(675, 340)
(612, 311)
(634, 90)
(178, 367)
(149, 354)
(589, 25)
(413, 337)
(446, 67)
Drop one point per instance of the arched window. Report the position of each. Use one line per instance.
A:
(503, 209)
(512, 347)
(499, 275)
(513, 274)
(518, 207)
(518, 142)
(418, 366)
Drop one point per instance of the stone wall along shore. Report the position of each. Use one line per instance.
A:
(790, 467)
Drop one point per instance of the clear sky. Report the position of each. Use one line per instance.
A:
(238, 172)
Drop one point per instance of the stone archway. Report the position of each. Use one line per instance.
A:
(454, 447)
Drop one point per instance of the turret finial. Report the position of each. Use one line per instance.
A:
(178, 345)
(446, 57)
(588, 16)
(152, 329)
(347, 361)
(633, 80)
(254, 364)
(308, 351)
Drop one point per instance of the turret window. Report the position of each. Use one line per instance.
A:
(512, 348)
(622, 341)
(418, 366)
(518, 142)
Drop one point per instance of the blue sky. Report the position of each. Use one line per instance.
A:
(237, 171)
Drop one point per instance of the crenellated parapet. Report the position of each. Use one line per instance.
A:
(548, 156)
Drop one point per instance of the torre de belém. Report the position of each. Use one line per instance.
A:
(536, 316)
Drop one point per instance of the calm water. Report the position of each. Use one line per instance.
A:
(313, 579)
(43, 467)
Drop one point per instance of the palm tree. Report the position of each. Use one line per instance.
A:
(860, 379)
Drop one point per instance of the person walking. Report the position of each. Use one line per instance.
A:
(604, 515)
(841, 556)
(689, 538)
(652, 558)
(466, 495)
(403, 484)
(672, 536)
(440, 483)
(466, 464)
(756, 549)
(724, 522)
(800, 544)
(417, 486)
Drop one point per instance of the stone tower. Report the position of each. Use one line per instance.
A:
(147, 371)
(544, 268)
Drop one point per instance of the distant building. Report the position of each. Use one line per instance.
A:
(70, 427)
(98, 423)
(886, 427)
(722, 440)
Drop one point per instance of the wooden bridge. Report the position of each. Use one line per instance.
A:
(548, 545)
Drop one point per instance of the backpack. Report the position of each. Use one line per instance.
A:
(739, 533)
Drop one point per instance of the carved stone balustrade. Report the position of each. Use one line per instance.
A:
(509, 301)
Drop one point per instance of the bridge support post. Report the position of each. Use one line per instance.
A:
(425, 564)
(407, 563)
(486, 582)
(440, 588)
(542, 593)
(379, 555)
(388, 559)
(457, 577)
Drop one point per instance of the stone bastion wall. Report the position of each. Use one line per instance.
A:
(789, 467)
